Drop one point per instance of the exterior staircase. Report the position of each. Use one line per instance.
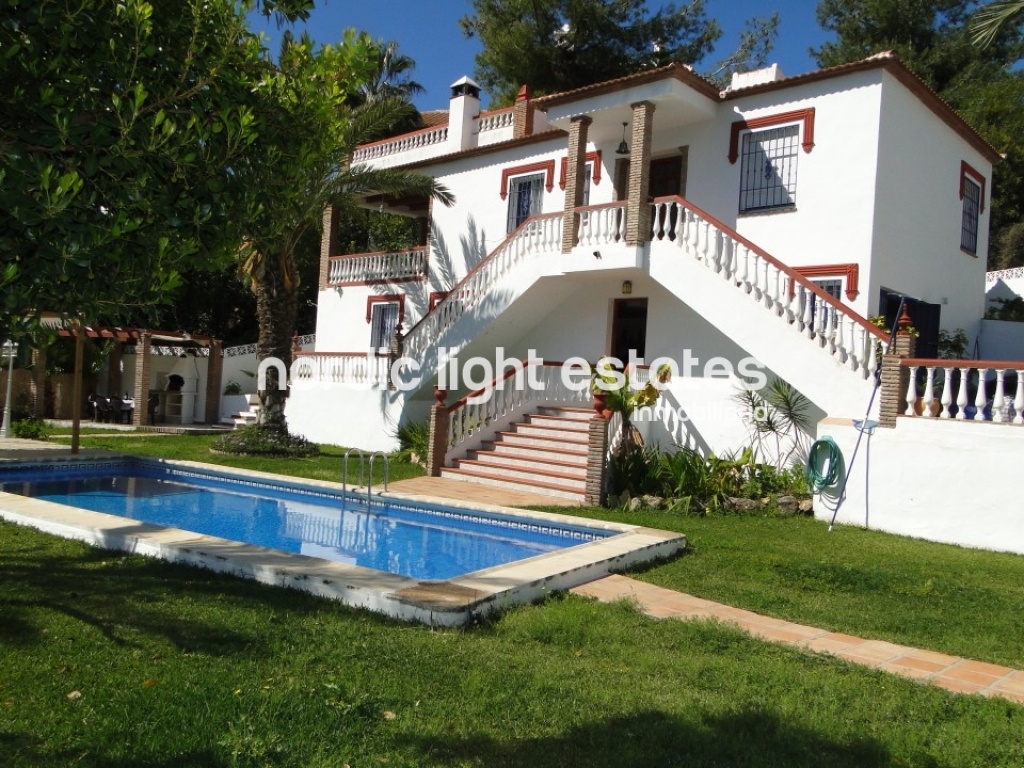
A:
(544, 452)
(246, 417)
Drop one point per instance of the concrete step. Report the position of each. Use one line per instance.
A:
(542, 439)
(505, 448)
(527, 429)
(566, 412)
(561, 423)
(535, 486)
(569, 476)
(529, 463)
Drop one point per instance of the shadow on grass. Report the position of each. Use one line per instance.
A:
(21, 746)
(751, 739)
(127, 599)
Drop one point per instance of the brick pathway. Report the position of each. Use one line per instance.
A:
(950, 672)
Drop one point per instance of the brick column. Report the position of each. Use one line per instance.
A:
(437, 438)
(575, 180)
(328, 243)
(638, 207)
(522, 114)
(895, 377)
(214, 379)
(37, 387)
(597, 449)
(141, 392)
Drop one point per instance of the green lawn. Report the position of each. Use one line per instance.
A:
(109, 659)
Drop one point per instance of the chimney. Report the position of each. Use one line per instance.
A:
(770, 74)
(463, 111)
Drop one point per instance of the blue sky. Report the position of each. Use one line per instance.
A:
(428, 31)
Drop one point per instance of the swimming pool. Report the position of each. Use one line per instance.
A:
(441, 563)
(422, 541)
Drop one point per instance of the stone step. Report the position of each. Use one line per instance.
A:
(566, 412)
(546, 431)
(561, 423)
(505, 448)
(535, 486)
(570, 476)
(529, 463)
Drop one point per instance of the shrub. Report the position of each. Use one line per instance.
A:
(257, 440)
(413, 439)
(30, 428)
(232, 388)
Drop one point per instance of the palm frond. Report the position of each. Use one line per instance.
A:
(989, 21)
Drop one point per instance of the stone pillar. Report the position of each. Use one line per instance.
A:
(597, 449)
(214, 380)
(141, 393)
(437, 439)
(522, 114)
(37, 387)
(575, 179)
(328, 243)
(896, 377)
(638, 207)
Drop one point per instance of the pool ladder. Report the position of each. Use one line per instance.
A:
(369, 484)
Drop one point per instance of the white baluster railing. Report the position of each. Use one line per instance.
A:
(965, 390)
(507, 396)
(404, 143)
(347, 368)
(537, 236)
(842, 333)
(493, 121)
(600, 224)
(377, 267)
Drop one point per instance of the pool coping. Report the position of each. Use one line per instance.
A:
(452, 602)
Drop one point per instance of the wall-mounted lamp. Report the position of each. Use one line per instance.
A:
(627, 287)
(623, 146)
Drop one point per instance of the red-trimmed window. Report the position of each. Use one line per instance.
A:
(593, 171)
(524, 187)
(834, 279)
(768, 148)
(972, 193)
(385, 314)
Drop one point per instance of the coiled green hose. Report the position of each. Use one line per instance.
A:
(822, 475)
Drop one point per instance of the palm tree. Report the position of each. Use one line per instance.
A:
(308, 129)
(989, 21)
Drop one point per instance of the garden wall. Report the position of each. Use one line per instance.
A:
(942, 480)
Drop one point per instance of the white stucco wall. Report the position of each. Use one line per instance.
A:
(1000, 340)
(940, 480)
(919, 213)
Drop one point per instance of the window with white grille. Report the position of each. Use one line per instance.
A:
(383, 323)
(969, 221)
(768, 168)
(524, 198)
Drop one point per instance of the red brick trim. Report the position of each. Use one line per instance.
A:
(595, 172)
(806, 116)
(436, 297)
(966, 169)
(383, 298)
(849, 271)
(548, 166)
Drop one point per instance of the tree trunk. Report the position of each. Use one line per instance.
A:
(276, 309)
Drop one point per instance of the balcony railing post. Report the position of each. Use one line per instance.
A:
(437, 437)
(896, 378)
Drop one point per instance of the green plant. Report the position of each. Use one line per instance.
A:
(259, 440)
(616, 387)
(30, 428)
(232, 388)
(777, 417)
(413, 440)
(953, 346)
(636, 471)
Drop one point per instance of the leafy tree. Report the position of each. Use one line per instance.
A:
(299, 164)
(990, 20)
(558, 45)
(933, 37)
(119, 126)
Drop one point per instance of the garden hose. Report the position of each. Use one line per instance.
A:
(821, 475)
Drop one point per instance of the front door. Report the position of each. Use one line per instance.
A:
(629, 328)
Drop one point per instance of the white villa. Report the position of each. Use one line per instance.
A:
(659, 214)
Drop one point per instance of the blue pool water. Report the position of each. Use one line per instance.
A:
(420, 541)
